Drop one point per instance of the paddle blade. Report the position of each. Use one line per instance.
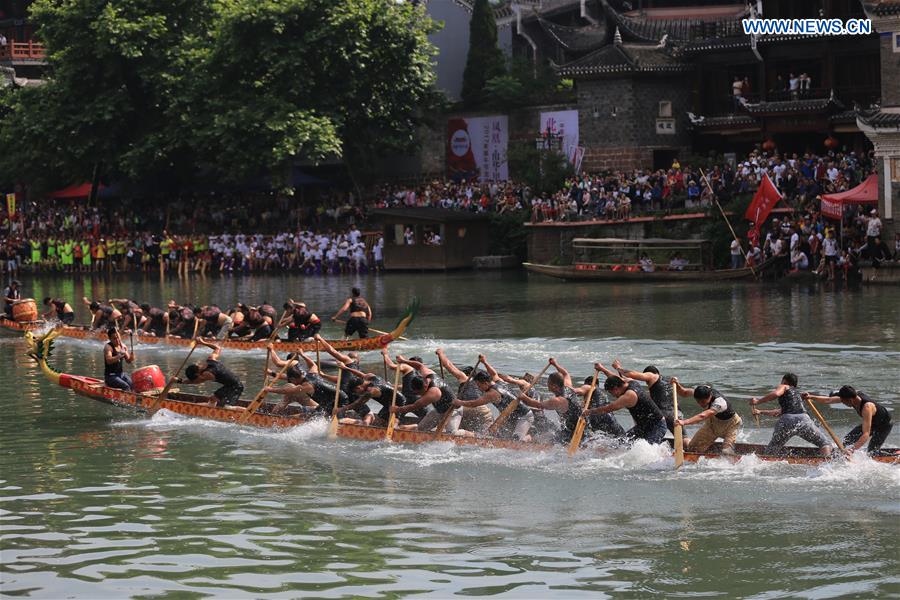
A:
(576, 436)
(389, 432)
(333, 428)
(679, 447)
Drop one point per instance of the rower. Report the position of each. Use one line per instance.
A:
(155, 320)
(114, 352)
(502, 395)
(660, 389)
(719, 419)
(214, 322)
(304, 324)
(11, 295)
(407, 374)
(430, 390)
(132, 313)
(793, 419)
(359, 314)
(649, 422)
(298, 389)
(259, 324)
(321, 389)
(59, 310)
(604, 423)
(565, 401)
(476, 417)
(213, 370)
(183, 321)
(876, 420)
(104, 315)
(363, 387)
(542, 426)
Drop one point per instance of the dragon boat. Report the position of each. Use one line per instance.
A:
(193, 405)
(358, 345)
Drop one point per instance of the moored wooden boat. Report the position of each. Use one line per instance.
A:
(358, 345)
(192, 405)
(585, 272)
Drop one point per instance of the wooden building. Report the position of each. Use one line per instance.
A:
(431, 239)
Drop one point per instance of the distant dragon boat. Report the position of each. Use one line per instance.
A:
(193, 405)
(358, 345)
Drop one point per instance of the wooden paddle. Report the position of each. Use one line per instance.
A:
(825, 424)
(575, 442)
(333, 426)
(318, 358)
(269, 341)
(257, 400)
(446, 416)
(392, 419)
(678, 433)
(162, 396)
(502, 417)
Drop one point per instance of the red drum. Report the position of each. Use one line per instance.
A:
(148, 379)
(24, 310)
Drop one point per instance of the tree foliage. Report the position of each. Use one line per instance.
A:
(228, 88)
(545, 171)
(485, 60)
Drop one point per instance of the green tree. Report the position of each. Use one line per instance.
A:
(545, 171)
(228, 88)
(485, 60)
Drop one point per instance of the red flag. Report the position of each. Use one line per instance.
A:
(767, 195)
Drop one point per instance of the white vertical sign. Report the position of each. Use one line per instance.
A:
(565, 124)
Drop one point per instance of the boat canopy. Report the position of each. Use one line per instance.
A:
(611, 252)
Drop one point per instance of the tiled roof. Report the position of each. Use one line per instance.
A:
(640, 28)
(624, 58)
(576, 39)
(882, 8)
(701, 122)
(789, 106)
(879, 119)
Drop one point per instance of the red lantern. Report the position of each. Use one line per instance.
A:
(831, 142)
(768, 145)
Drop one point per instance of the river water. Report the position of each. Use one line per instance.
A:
(100, 502)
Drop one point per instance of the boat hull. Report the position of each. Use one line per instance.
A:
(573, 273)
(358, 345)
(193, 406)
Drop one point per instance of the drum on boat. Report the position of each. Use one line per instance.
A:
(148, 379)
(24, 310)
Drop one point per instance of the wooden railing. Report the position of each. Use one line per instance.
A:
(22, 51)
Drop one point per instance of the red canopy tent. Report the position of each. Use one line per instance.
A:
(864, 193)
(82, 190)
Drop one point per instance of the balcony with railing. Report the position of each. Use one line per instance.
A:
(22, 52)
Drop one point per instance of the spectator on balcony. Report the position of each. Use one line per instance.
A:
(779, 90)
(3, 41)
(805, 84)
(794, 86)
(737, 92)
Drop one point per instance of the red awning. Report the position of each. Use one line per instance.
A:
(864, 193)
(82, 190)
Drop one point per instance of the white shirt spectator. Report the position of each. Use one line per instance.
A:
(873, 227)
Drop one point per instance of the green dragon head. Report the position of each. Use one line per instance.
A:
(40, 347)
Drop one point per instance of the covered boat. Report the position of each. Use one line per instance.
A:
(191, 405)
(358, 345)
(615, 259)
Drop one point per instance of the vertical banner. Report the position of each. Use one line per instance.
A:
(11, 204)
(579, 158)
(476, 147)
(563, 123)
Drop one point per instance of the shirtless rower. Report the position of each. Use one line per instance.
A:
(431, 390)
(321, 388)
(649, 423)
(359, 314)
(876, 420)
(213, 370)
(476, 417)
(565, 401)
(59, 309)
(660, 389)
(104, 315)
(793, 420)
(718, 417)
(501, 394)
(214, 322)
(304, 324)
(155, 320)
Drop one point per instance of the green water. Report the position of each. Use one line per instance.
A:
(100, 502)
